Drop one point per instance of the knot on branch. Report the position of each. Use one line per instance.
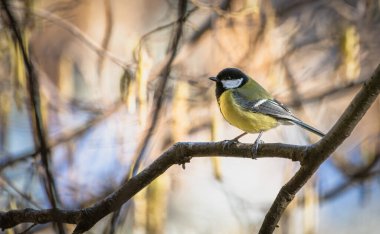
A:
(181, 153)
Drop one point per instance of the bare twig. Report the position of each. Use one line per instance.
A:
(329, 92)
(11, 160)
(362, 174)
(75, 31)
(107, 33)
(4, 180)
(224, 5)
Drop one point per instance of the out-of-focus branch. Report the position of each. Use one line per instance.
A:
(34, 95)
(319, 152)
(4, 181)
(107, 33)
(12, 160)
(37, 122)
(333, 193)
(341, 89)
(359, 175)
(179, 153)
(224, 5)
(76, 32)
(164, 74)
(162, 27)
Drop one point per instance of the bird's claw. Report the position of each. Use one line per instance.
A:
(227, 143)
(255, 148)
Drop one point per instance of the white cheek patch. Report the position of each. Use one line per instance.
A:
(231, 84)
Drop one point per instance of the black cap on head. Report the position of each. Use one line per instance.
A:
(231, 74)
(229, 78)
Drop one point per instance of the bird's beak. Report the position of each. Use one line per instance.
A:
(213, 79)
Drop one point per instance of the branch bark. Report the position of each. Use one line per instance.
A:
(179, 153)
(319, 152)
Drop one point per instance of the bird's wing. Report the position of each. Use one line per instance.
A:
(269, 107)
(272, 108)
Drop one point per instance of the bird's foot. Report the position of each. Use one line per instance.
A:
(228, 143)
(255, 148)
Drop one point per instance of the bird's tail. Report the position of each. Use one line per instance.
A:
(308, 127)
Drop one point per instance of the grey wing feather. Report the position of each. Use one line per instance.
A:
(275, 109)
(265, 106)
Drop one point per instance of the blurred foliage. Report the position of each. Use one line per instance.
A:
(89, 55)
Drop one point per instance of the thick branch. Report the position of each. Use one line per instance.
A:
(179, 153)
(320, 151)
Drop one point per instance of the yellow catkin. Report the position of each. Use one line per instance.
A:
(310, 208)
(131, 97)
(289, 218)
(19, 79)
(156, 197)
(13, 206)
(270, 13)
(65, 83)
(215, 132)
(142, 74)
(350, 48)
(180, 122)
(140, 211)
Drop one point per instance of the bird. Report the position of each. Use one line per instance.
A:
(245, 104)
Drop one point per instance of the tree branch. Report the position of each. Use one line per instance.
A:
(179, 153)
(319, 152)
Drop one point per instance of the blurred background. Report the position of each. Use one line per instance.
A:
(113, 95)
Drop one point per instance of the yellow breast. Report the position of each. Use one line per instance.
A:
(246, 121)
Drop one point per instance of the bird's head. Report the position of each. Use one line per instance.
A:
(230, 78)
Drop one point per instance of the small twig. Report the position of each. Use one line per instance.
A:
(28, 229)
(4, 179)
(107, 33)
(362, 174)
(76, 32)
(329, 92)
(224, 5)
(11, 160)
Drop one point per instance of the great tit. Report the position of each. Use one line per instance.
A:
(249, 107)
